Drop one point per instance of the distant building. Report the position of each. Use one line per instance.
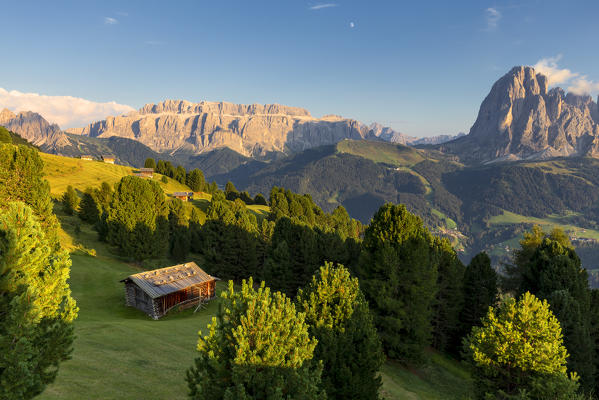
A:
(108, 159)
(145, 173)
(185, 196)
(157, 292)
(86, 157)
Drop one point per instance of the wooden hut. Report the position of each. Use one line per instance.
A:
(158, 291)
(108, 159)
(185, 196)
(86, 157)
(145, 173)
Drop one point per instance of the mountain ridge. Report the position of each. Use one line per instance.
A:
(521, 119)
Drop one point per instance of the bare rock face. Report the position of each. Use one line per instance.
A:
(34, 128)
(521, 119)
(252, 130)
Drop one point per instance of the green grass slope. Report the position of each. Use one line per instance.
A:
(382, 152)
(120, 353)
(63, 171)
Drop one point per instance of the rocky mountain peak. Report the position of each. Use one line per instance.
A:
(521, 119)
(33, 127)
(6, 115)
(207, 107)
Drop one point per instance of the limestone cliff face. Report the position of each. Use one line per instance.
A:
(34, 128)
(521, 119)
(252, 130)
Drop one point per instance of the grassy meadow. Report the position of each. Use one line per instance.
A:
(382, 152)
(120, 353)
(64, 171)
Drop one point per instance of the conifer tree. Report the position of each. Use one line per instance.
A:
(89, 209)
(231, 192)
(554, 273)
(70, 201)
(21, 179)
(179, 233)
(348, 344)
(257, 347)
(137, 219)
(519, 350)
(260, 200)
(398, 277)
(150, 163)
(180, 174)
(480, 291)
(196, 181)
(449, 301)
(37, 309)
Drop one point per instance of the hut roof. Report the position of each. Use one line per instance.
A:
(146, 169)
(175, 194)
(163, 281)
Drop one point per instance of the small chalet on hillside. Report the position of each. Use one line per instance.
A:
(108, 159)
(185, 196)
(145, 173)
(158, 291)
(86, 157)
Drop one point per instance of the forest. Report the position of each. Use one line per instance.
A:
(316, 301)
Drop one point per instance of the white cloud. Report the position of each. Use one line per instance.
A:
(66, 111)
(110, 21)
(548, 67)
(582, 85)
(352, 25)
(578, 84)
(492, 16)
(321, 6)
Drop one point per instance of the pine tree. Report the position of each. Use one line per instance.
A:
(231, 192)
(595, 334)
(348, 344)
(480, 291)
(260, 200)
(518, 349)
(21, 179)
(137, 219)
(161, 167)
(179, 233)
(258, 347)
(89, 209)
(180, 174)
(449, 301)
(36, 331)
(554, 273)
(150, 163)
(70, 201)
(196, 181)
(398, 278)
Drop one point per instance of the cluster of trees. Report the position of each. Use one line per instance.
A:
(413, 292)
(194, 179)
(264, 345)
(36, 307)
(232, 194)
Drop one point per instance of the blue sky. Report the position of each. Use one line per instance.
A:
(420, 67)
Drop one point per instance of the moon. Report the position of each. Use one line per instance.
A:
(351, 25)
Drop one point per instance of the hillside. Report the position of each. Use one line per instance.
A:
(142, 358)
(64, 171)
(455, 200)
